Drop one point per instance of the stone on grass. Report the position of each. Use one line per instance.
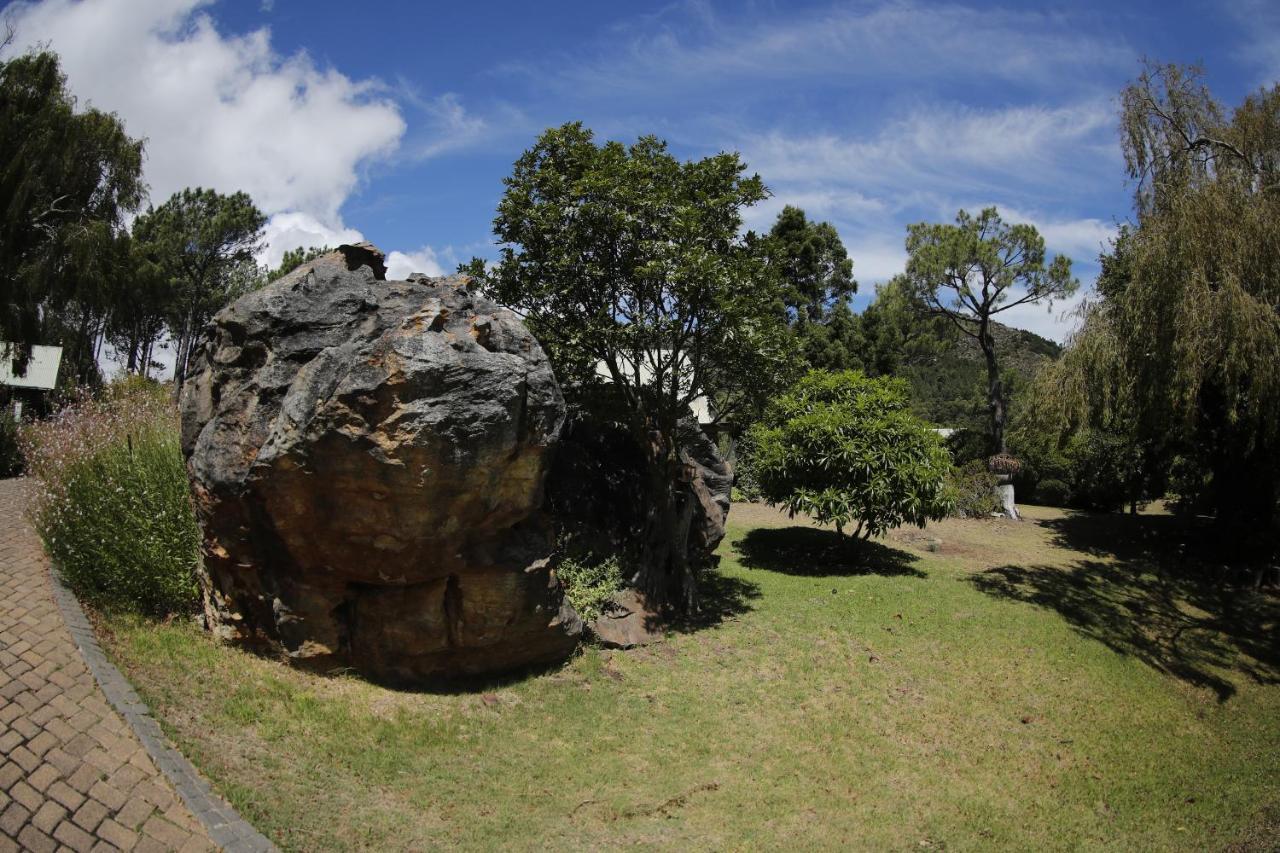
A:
(368, 460)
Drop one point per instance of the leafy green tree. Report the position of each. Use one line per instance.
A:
(817, 281)
(68, 181)
(294, 258)
(205, 243)
(628, 261)
(1181, 349)
(972, 271)
(846, 450)
(816, 271)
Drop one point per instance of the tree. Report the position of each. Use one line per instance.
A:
(816, 275)
(815, 269)
(68, 181)
(205, 243)
(846, 450)
(1182, 347)
(626, 260)
(975, 269)
(294, 258)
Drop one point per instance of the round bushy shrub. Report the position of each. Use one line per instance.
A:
(971, 489)
(112, 505)
(1052, 493)
(846, 450)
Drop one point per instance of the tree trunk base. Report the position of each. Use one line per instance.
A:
(1009, 508)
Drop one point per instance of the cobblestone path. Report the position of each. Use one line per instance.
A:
(73, 776)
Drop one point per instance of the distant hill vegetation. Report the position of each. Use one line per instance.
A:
(948, 377)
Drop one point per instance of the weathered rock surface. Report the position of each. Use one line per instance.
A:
(628, 622)
(368, 460)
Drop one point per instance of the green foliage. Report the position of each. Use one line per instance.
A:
(1178, 354)
(204, 244)
(1052, 492)
(294, 258)
(589, 582)
(11, 463)
(975, 269)
(844, 449)
(812, 262)
(971, 489)
(966, 445)
(113, 506)
(627, 260)
(69, 180)
(624, 254)
(1105, 470)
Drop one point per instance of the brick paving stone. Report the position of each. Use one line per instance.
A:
(58, 733)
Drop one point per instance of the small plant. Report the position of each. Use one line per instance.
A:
(972, 489)
(589, 582)
(10, 452)
(113, 506)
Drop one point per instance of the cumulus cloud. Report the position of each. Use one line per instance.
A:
(425, 260)
(222, 111)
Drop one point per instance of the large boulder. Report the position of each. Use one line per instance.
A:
(368, 460)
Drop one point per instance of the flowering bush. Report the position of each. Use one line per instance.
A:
(112, 503)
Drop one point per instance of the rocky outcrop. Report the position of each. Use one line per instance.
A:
(368, 460)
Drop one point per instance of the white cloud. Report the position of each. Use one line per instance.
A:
(292, 230)
(221, 111)
(426, 260)
(688, 43)
(936, 149)
(446, 125)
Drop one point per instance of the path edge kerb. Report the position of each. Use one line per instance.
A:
(225, 826)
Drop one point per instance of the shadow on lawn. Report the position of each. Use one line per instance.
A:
(810, 552)
(1141, 596)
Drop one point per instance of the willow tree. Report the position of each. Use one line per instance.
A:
(1184, 345)
(978, 268)
(629, 262)
(69, 180)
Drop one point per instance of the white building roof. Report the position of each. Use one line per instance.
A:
(700, 406)
(42, 367)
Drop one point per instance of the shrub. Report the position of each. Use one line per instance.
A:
(844, 449)
(113, 505)
(1052, 493)
(972, 490)
(589, 583)
(1105, 470)
(967, 445)
(10, 453)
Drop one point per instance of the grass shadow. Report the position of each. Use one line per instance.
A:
(720, 599)
(1178, 621)
(811, 552)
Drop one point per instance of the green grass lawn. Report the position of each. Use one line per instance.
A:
(982, 684)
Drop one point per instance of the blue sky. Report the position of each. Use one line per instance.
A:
(398, 121)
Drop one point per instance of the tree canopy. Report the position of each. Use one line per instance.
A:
(847, 451)
(630, 263)
(1180, 349)
(204, 242)
(68, 181)
(977, 268)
